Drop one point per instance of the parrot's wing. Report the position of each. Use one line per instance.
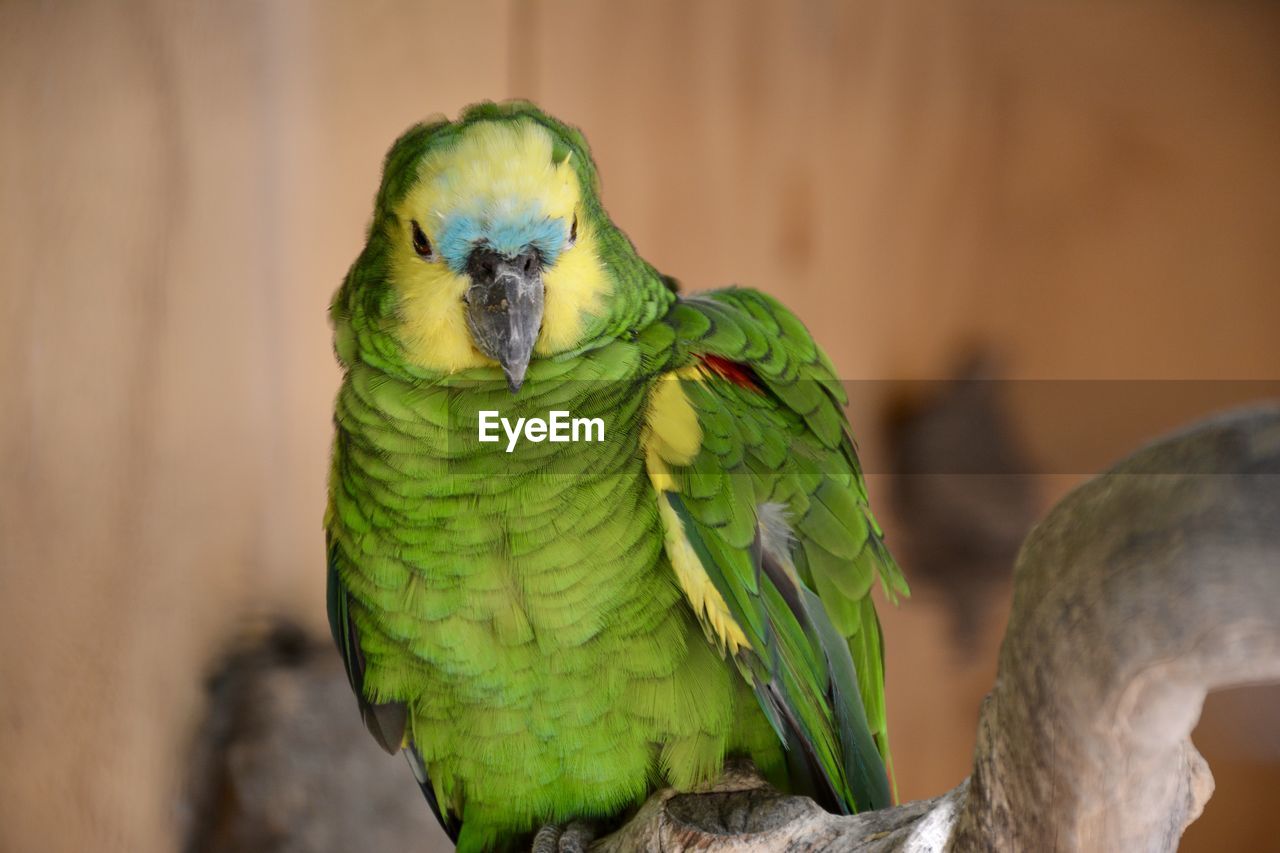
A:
(386, 721)
(770, 535)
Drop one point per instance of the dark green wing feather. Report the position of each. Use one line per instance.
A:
(799, 666)
(386, 721)
(775, 442)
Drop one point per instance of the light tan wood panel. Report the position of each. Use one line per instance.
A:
(184, 188)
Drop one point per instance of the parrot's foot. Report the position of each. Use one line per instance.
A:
(573, 837)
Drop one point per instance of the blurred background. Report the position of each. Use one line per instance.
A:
(1077, 191)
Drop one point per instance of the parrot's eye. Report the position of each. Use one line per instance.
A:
(573, 232)
(421, 244)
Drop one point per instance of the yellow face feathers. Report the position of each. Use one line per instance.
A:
(576, 288)
(490, 166)
(499, 185)
(433, 327)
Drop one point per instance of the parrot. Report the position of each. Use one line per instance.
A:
(551, 629)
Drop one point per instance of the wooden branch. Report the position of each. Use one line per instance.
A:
(1141, 591)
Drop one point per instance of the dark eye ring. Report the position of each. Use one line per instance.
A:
(421, 244)
(573, 230)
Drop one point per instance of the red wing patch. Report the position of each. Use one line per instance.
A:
(739, 374)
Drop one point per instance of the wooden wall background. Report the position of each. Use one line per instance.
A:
(1092, 188)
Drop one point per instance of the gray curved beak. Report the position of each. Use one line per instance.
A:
(504, 308)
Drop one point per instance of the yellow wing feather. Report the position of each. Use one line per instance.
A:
(673, 436)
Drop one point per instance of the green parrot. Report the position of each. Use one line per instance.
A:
(549, 628)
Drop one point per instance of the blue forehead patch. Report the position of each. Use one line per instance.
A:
(508, 233)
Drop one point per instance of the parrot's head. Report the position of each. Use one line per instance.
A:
(488, 246)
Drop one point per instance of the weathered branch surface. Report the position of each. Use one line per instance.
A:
(1143, 590)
